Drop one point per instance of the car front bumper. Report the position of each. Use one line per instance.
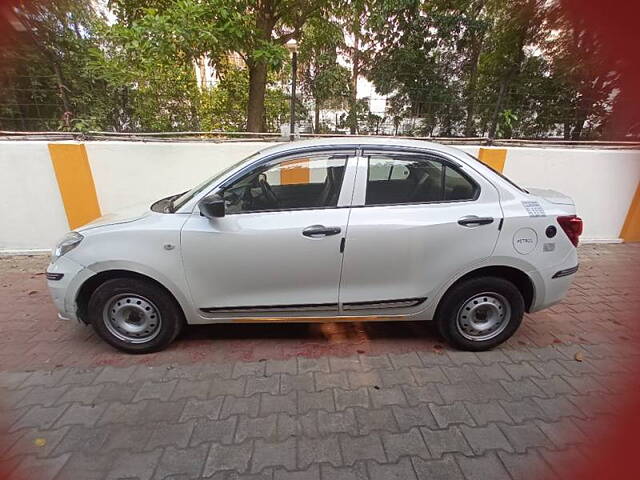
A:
(64, 279)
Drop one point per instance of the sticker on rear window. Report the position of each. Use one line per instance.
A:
(534, 209)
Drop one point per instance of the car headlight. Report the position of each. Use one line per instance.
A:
(70, 241)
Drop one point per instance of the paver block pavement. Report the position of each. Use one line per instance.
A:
(311, 401)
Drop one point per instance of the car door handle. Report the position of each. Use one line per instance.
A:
(315, 231)
(473, 221)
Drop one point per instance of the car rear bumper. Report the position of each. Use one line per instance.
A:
(554, 283)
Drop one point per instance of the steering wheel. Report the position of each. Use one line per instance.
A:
(267, 191)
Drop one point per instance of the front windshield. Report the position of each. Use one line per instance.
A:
(185, 197)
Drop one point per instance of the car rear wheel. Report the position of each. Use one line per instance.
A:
(480, 313)
(134, 315)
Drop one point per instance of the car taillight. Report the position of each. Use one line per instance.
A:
(572, 226)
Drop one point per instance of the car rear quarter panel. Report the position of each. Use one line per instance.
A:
(524, 241)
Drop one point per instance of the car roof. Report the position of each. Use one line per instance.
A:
(363, 141)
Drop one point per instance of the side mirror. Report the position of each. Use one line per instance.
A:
(212, 206)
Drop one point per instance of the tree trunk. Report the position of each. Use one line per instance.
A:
(265, 23)
(496, 113)
(576, 131)
(476, 48)
(353, 100)
(316, 115)
(469, 130)
(257, 87)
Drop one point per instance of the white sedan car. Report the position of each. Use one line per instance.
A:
(334, 230)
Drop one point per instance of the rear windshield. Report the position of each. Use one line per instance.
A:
(498, 173)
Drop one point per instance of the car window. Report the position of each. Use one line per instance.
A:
(396, 180)
(294, 183)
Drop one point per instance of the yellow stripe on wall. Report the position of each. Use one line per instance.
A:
(295, 172)
(75, 182)
(631, 228)
(494, 157)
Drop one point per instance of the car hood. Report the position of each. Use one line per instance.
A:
(125, 215)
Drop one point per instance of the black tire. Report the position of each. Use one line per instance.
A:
(463, 294)
(169, 317)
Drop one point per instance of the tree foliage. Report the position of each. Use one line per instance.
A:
(503, 68)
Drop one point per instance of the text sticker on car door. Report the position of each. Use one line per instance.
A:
(534, 209)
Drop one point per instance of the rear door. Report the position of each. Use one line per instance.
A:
(417, 219)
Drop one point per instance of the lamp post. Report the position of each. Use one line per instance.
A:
(292, 46)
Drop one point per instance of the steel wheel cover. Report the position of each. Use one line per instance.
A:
(483, 316)
(132, 318)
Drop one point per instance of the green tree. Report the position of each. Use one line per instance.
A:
(45, 80)
(323, 79)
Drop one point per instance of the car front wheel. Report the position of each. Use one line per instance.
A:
(134, 315)
(480, 313)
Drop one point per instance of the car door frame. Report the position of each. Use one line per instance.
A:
(344, 202)
(404, 308)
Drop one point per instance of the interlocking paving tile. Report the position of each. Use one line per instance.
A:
(351, 398)
(40, 443)
(269, 384)
(391, 378)
(450, 440)
(484, 413)
(240, 406)
(403, 470)
(422, 394)
(188, 462)
(483, 467)
(381, 397)
(409, 417)
(79, 414)
(375, 420)
(187, 388)
(276, 454)
(522, 437)
(135, 465)
(331, 380)
(397, 445)
(357, 471)
(337, 422)
(260, 427)
(83, 439)
(445, 468)
(288, 366)
(486, 438)
(424, 375)
(228, 457)
(446, 415)
(39, 417)
(361, 448)
(368, 378)
(220, 431)
(40, 468)
(315, 401)
(195, 408)
(168, 434)
(297, 425)
(279, 403)
(291, 383)
(318, 450)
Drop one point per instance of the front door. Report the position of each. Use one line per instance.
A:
(279, 245)
(412, 228)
